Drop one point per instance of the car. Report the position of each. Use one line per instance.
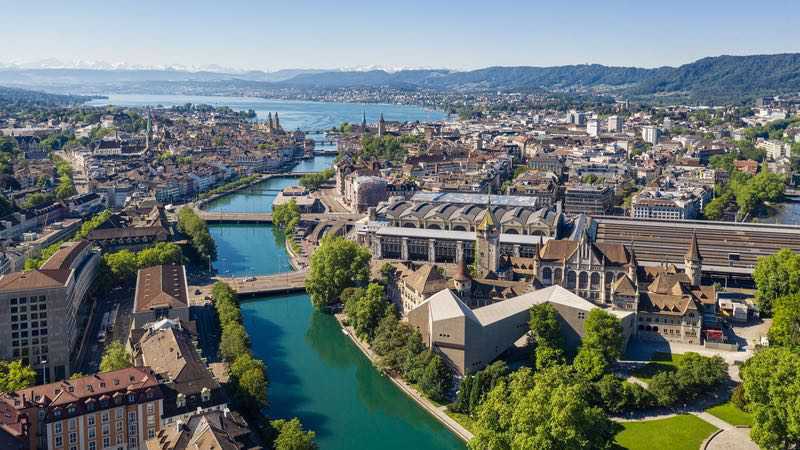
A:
(250, 279)
(197, 292)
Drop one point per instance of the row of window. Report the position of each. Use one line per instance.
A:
(25, 300)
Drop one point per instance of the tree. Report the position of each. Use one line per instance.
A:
(196, 228)
(14, 375)
(590, 363)
(603, 333)
(335, 265)
(93, 223)
(776, 276)
(234, 341)
(544, 325)
(366, 311)
(411, 362)
(475, 387)
(115, 357)
(286, 216)
(250, 380)
(547, 356)
(436, 378)
(785, 329)
(313, 181)
(549, 409)
(292, 437)
(161, 253)
(389, 339)
(772, 390)
(76, 376)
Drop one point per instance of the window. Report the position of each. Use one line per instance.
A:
(581, 315)
(119, 426)
(151, 433)
(73, 437)
(92, 433)
(104, 417)
(92, 445)
(58, 428)
(106, 441)
(71, 422)
(150, 408)
(132, 442)
(59, 441)
(131, 416)
(90, 418)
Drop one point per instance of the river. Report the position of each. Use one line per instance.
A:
(316, 373)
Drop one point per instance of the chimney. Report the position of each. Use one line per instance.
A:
(226, 411)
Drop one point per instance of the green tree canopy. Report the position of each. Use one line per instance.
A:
(291, 436)
(549, 409)
(544, 325)
(772, 390)
(115, 357)
(336, 264)
(785, 329)
(776, 276)
(15, 376)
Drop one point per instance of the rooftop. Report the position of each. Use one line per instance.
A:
(161, 287)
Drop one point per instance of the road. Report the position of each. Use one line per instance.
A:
(121, 300)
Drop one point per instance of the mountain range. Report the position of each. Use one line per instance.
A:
(721, 79)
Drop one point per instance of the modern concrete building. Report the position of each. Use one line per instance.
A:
(615, 124)
(161, 293)
(651, 134)
(588, 199)
(42, 311)
(471, 339)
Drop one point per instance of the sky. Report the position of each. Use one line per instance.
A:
(465, 34)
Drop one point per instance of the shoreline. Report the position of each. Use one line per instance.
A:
(454, 427)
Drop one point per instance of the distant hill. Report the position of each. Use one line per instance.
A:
(23, 97)
(721, 79)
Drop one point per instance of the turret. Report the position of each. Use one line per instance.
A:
(693, 262)
(462, 282)
(381, 126)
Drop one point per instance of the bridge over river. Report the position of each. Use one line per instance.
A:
(278, 283)
(234, 217)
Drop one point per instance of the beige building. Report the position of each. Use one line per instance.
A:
(41, 310)
(161, 293)
(471, 339)
(111, 410)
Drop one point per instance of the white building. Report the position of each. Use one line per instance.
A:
(593, 127)
(615, 124)
(651, 134)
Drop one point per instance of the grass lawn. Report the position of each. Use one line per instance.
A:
(732, 414)
(684, 432)
(463, 419)
(661, 362)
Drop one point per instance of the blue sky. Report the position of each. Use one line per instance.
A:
(275, 34)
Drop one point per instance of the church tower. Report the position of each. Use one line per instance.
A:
(270, 127)
(277, 122)
(381, 126)
(693, 262)
(462, 282)
(363, 121)
(488, 243)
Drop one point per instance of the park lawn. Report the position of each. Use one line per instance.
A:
(661, 362)
(463, 419)
(732, 414)
(683, 432)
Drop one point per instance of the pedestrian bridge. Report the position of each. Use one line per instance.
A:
(236, 217)
(279, 283)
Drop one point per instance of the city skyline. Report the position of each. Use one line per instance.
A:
(356, 34)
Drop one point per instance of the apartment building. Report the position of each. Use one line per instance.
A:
(41, 310)
(116, 410)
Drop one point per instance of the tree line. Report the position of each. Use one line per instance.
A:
(190, 224)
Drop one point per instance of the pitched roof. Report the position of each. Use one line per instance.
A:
(160, 287)
(34, 279)
(614, 253)
(426, 280)
(624, 286)
(63, 258)
(558, 250)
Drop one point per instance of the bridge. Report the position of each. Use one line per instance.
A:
(266, 217)
(279, 283)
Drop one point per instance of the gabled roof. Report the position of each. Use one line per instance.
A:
(446, 305)
(160, 287)
(34, 279)
(426, 280)
(693, 254)
(624, 286)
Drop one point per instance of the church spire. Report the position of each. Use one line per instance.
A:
(363, 121)
(693, 254)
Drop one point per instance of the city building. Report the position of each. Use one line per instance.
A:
(651, 134)
(593, 127)
(111, 410)
(216, 430)
(615, 124)
(161, 293)
(470, 339)
(591, 199)
(42, 311)
(172, 352)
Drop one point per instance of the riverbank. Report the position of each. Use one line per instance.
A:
(437, 412)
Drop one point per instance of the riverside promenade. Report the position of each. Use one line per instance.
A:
(438, 412)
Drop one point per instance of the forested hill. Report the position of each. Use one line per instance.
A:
(14, 97)
(715, 79)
